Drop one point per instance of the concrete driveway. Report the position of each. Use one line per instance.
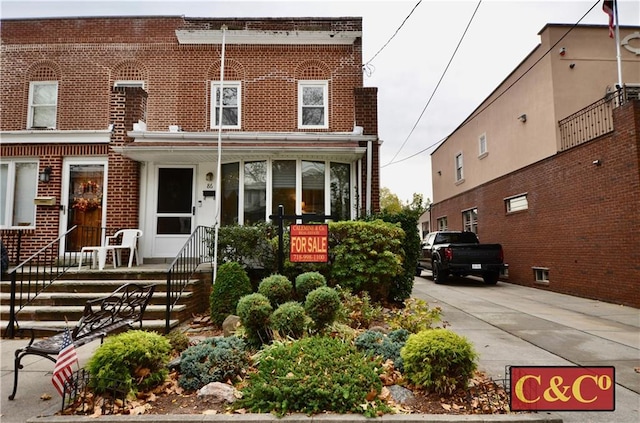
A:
(515, 325)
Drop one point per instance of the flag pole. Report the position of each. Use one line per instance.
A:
(617, 38)
(219, 169)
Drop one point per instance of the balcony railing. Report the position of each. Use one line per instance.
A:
(594, 120)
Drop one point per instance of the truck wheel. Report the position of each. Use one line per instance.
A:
(439, 276)
(490, 278)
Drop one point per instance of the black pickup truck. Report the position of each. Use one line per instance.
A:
(460, 253)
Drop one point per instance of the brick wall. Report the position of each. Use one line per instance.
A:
(583, 220)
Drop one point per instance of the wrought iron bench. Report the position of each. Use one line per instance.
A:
(116, 312)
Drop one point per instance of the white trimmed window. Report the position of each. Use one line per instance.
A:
(442, 223)
(129, 83)
(482, 145)
(541, 275)
(459, 169)
(231, 104)
(470, 220)
(43, 104)
(313, 104)
(516, 203)
(18, 188)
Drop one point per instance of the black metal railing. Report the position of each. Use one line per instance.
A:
(594, 120)
(197, 250)
(34, 275)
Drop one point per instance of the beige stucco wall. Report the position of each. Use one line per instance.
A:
(546, 93)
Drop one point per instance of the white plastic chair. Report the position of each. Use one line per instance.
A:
(129, 242)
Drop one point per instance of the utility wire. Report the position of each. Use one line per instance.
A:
(367, 66)
(437, 85)
(479, 112)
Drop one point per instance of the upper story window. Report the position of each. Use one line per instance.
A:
(482, 145)
(313, 104)
(231, 104)
(459, 169)
(18, 188)
(43, 104)
(129, 83)
(470, 220)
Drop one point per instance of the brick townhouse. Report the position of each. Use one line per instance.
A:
(117, 122)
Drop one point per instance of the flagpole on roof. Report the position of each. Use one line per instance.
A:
(219, 169)
(617, 32)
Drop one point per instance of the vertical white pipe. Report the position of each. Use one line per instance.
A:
(617, 31)
(219, 169)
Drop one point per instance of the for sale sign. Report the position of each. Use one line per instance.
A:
(562, 388)
(309, 243)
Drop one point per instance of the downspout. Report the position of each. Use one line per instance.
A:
(219, 169)
(369, 173)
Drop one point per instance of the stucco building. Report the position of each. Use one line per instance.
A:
(548, 165)
(117, 122)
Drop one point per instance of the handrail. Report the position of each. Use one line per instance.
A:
(196, 250)
(37, 273)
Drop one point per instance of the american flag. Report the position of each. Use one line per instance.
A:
(607, 7)
(66, 357)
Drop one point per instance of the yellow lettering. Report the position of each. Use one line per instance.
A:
(520, 388)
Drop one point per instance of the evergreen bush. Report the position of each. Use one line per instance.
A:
(289, 320)
(136, 358)
(307, 282)
(277, 288)
(374, 343)
(213, 360)
(255, 311)
(357, 311)
(232, 283)
(438, 360)
(322, 306)
(313, 375)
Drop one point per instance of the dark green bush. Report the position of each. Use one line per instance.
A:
(213, 360)
(136, 358)
(289, 320)
(255, 311)
(313, 375)
(307, 282)
(438, 360)
(322, 306)
(232, 283)
(277, 288)
(374, 343)
(357, 311)
(366, 256)
(250, 245)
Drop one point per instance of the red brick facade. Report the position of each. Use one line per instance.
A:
(583, 219)
(87, 55)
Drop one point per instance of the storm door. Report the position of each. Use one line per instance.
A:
(175, 209)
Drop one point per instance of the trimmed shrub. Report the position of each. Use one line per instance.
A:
(254, 311)
(307, 282)
(277, 288)
(232, 283)
(136, 358)
(213, 360)
(289, 320)
(178, 340)
(313, 375)
(374, 343)
(438, 360)
(322, 306)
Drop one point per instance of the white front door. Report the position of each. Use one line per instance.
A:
(175, 209)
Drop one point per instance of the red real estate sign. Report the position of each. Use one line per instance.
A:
(309, 243)
(562, 388)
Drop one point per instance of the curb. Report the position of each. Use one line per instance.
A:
(300, 418)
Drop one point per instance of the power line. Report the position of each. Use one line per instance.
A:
(479, 112)
(366, 66)
(437, 85)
